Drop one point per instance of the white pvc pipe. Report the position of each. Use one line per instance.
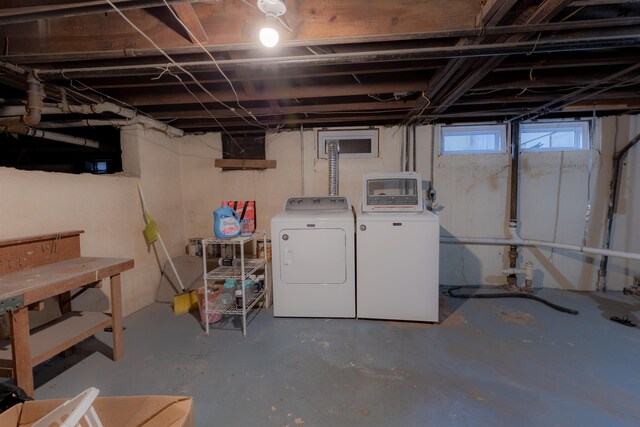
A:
(132, 115)
(54, 136)
(540, 243)
(12, 115)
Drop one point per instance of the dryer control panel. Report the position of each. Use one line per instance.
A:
(317, 203)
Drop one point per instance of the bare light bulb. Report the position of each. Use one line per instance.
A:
(269, 37)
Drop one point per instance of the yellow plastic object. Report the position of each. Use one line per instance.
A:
(184, 303)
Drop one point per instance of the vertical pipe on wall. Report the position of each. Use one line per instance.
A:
(413, 149)
(513, 199)
(587, 216)
(433, 154)
(613, 198)
(515, 171)
(403, 152)
(302, 160)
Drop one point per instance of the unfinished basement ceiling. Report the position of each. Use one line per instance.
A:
(346, 63)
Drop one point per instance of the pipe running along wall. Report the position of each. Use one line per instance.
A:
(517, 241)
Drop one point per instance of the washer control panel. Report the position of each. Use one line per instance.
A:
(392, 192)
(317, 203)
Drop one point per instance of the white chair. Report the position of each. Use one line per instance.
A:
(70, 413)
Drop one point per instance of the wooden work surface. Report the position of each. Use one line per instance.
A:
(35, 268)
(38, 283)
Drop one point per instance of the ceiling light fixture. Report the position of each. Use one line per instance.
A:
(272, 9)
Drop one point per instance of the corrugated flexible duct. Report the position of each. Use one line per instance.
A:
(333, 152)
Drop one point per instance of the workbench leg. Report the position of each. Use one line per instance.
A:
(116, 317)
(21, 349)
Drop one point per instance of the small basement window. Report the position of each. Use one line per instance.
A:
(473, 139)
(31, 153)
(351, 143)
(554, 136)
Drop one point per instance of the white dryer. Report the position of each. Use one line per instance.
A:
(314, 258)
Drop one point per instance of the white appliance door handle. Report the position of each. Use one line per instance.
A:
(288, 257)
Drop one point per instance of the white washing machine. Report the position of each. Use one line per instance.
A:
(314, 258)
(398, 250)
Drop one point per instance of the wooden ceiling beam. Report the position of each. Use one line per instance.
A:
(492, 12)
(543, 13)
(189, 18)
(303, 73)
(233, 23)
(184, 124)
(292, 109)
(226, 95)
(26, 14)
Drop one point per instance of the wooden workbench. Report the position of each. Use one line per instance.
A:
(39, 267)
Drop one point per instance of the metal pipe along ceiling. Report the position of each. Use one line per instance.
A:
(541, 46)
(467, 32)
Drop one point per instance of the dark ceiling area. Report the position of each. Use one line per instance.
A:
(197, 66)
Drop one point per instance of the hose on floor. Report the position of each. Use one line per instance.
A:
(451, 293)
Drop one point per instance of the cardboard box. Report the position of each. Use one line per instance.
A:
(136, 411)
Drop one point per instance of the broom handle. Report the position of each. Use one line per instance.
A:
(164, 248)
(173, 267)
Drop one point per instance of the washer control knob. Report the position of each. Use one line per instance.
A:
(299, 201)
(316, 201)
(333, 201)
(363, 227)
(285, 237)
(341, 200)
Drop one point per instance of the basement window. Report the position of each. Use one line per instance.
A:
(351, 143)
(31, 153)
(473, 139)
(554, 136)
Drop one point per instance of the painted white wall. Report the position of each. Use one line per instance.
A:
(205, 186)
(552, 205)
(108, 209)
(473, 191)
(182, 188)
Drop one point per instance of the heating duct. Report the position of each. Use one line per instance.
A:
(332, 151)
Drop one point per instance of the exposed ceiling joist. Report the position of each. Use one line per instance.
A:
(341, 64)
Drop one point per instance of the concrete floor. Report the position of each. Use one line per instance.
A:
(499, 362)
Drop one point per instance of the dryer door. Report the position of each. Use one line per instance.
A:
(313, 256)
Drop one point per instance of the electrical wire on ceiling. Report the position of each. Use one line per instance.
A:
(193, 37)
(181, 68)
(86, 87)
(172, 61)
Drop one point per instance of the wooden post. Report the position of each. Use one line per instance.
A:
(21, 349)
(116, 317)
